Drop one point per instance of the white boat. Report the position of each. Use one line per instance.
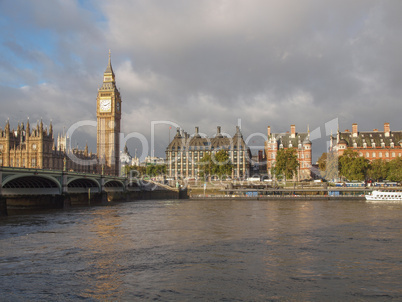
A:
(387, 196)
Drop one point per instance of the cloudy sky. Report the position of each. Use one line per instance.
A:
(254, 63)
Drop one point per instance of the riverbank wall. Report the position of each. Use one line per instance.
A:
(280, 197)
(15, 204)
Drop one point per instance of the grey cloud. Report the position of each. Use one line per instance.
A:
(208, 63)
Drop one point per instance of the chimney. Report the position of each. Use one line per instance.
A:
(269, 131)
(292, 131)
(218, 130)
(354, 130)
(386, 130)
(197, 130)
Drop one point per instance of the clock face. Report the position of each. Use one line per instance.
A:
(105, 105)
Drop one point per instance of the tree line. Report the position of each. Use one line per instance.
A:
(352, 166)
(149, 170)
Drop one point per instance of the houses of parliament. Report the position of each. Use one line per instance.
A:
(35, 147)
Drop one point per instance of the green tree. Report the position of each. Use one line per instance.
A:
(135, 170)
(286, 163)
(332, 169)
(216, 164)
(205, 166)
(378, 170)
(222, 165)
(352, 166)
(154, 170)
(395, 169)
(322, 162)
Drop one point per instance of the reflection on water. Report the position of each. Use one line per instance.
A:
(205, 250)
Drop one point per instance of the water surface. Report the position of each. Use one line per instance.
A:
(219, 250)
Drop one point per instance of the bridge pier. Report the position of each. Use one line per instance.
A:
(104, 199)
(3, 206)
(3, 200)
(66, 201)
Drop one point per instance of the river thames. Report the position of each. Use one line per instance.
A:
(207, 250)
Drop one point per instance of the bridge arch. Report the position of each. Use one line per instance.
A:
(22, 184)
(82, 184)
(114, 185)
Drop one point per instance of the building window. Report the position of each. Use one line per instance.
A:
(367, 154)
(374, 155)
(386, 154)
(380, 154)
(11, 162)
(393, 154)
(33, 162)
(1, 161)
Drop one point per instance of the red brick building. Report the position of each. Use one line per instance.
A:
(385, 145)
(299, 141)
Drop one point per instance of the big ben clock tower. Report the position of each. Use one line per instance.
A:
(108, 111)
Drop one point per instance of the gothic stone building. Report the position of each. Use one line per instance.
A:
(184, 153)
(385, 145)
(34, 148)
(299, 141)
(108, 112)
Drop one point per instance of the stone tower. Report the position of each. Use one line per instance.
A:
(108, 109)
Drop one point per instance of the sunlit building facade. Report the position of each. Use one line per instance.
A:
(184, 153)
(299, 141)
(35, 148)
(375, 144)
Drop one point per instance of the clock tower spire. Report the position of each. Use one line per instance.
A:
(108, 111)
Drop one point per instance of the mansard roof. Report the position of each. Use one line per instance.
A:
(286, 139)
(182, 140)
(370, 137)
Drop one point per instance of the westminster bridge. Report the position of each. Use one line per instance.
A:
(25, 188)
